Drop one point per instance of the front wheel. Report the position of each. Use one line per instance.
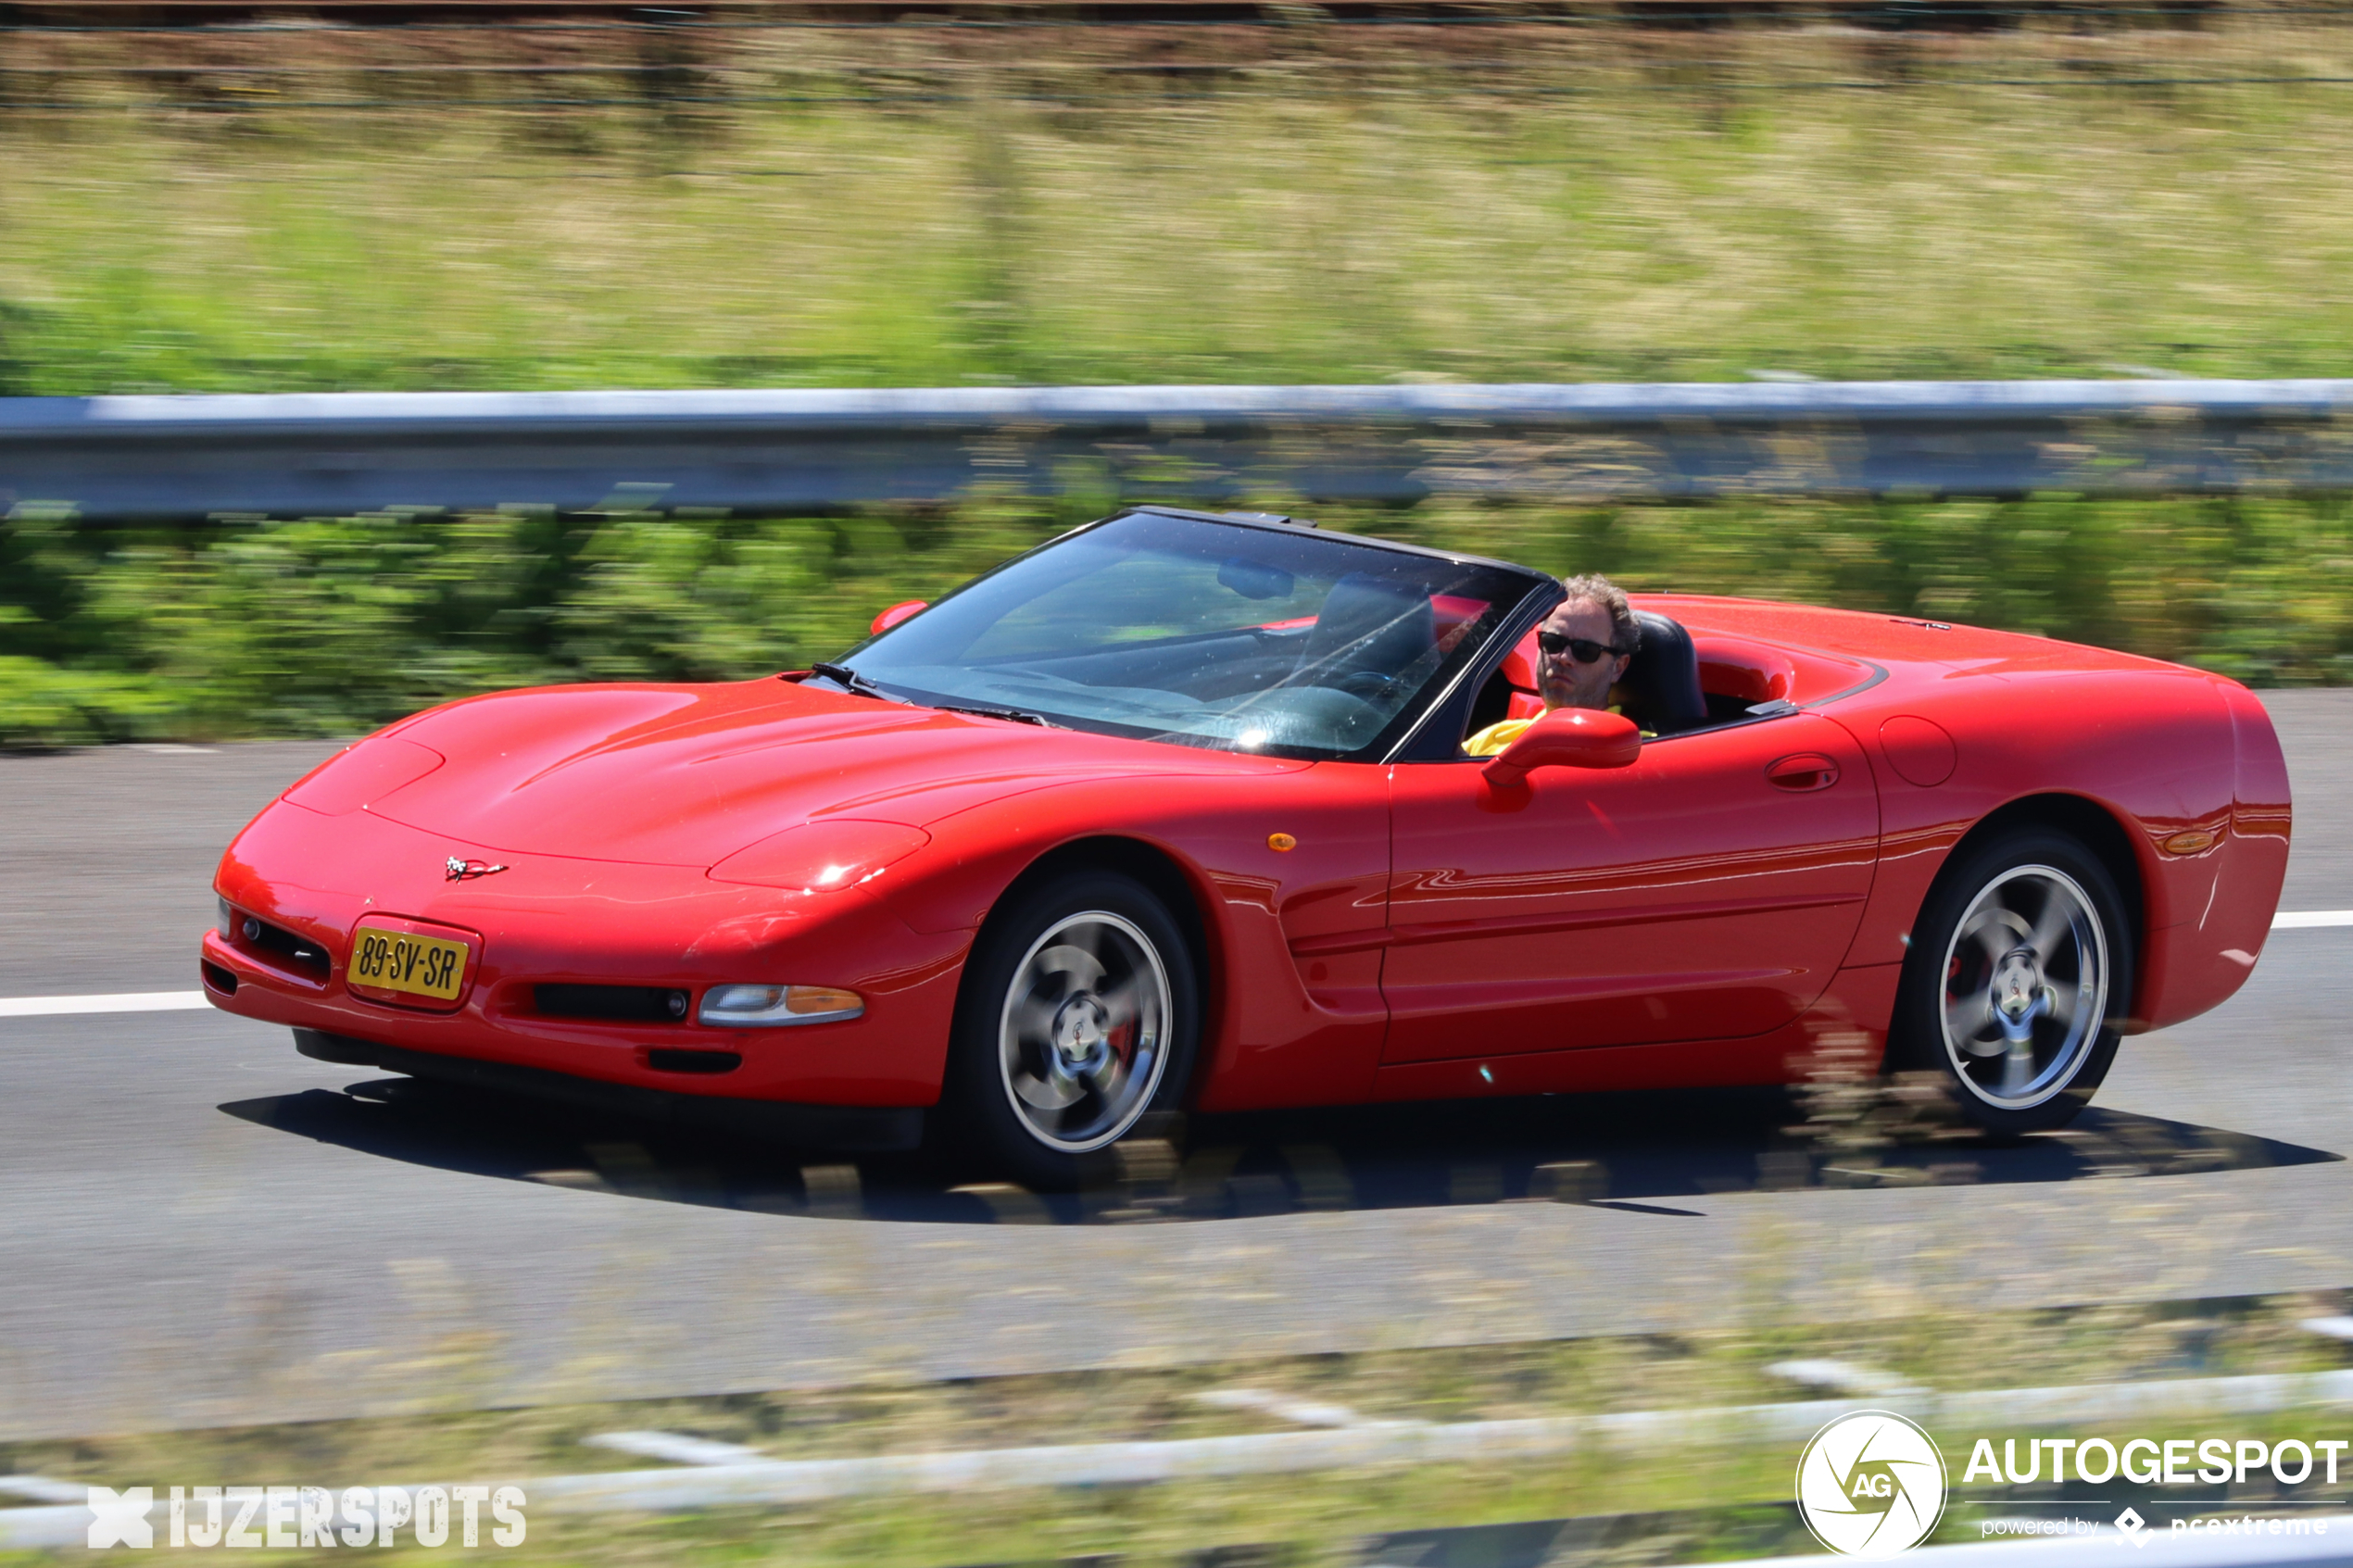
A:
(2020, 972)
(1078, 1017)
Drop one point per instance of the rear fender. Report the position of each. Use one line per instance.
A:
(2154, 751)
(2224, 895)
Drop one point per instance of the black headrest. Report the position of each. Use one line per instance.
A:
(1660, 690)
(1371, 624)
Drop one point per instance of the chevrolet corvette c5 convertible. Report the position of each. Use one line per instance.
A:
(1173, 811)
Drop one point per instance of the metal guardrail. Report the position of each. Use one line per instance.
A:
(126, 459)
(705, 1475)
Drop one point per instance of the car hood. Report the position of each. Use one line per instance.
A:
(689, 774)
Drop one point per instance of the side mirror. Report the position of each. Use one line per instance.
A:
(903, 610)
(1567, 737)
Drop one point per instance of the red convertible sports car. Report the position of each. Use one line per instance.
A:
(1173, 810)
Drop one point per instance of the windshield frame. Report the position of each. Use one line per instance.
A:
(1393, 738)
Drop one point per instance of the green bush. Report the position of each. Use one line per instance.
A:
(334, 625)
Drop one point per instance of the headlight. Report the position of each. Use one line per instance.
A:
(822, 856)
(362, 771)
(234, 922)
(770, 1007)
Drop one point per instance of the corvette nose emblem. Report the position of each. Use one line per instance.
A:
(466, 871)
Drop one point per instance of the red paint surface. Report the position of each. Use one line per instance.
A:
(1684, 897)
(1920, 752)
(905, 610)
(1687, 920)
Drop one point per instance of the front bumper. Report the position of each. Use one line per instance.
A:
(554, 921)
(850, 1127)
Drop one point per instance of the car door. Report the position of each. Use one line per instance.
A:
(1706, 892)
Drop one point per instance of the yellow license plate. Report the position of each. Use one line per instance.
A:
(406, 962)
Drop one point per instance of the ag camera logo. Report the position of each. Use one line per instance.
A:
(1870, 1484)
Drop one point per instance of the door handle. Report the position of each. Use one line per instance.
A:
(1806, 771)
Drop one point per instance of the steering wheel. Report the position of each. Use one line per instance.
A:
(1369, 685)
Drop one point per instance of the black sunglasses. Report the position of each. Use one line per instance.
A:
(1578, 648)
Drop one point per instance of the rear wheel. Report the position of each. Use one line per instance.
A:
(2020, 970)
(1078, 1019)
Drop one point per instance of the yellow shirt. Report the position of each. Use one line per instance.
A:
(1491, 741)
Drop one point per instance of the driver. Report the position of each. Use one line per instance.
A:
(1583, 648)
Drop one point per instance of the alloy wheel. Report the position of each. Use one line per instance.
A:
(2025, 987)
(1084, 1036)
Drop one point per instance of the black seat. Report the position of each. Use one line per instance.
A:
(1660, 691)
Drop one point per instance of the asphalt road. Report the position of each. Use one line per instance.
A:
(198, 1226)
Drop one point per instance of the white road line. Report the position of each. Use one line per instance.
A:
(179, 1002)
(125, 1001)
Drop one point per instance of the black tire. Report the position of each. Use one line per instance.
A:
(1033, 1026)
(1993, 991)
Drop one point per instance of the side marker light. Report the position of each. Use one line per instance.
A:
(1281, 841)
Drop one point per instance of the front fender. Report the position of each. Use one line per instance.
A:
(1293, 935)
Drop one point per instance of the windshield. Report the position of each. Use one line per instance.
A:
(1202, 633)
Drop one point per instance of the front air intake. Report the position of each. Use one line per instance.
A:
(276, 946)
(694, 1061)
(611, 1004)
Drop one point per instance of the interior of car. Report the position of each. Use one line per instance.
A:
(1271, 640)
(1246, 639)
(1678, 682)
(1372, 643)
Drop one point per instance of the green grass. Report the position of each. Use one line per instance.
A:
(1705, 1500)
(332, 626)
(1597, 206)
(1594, 203)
